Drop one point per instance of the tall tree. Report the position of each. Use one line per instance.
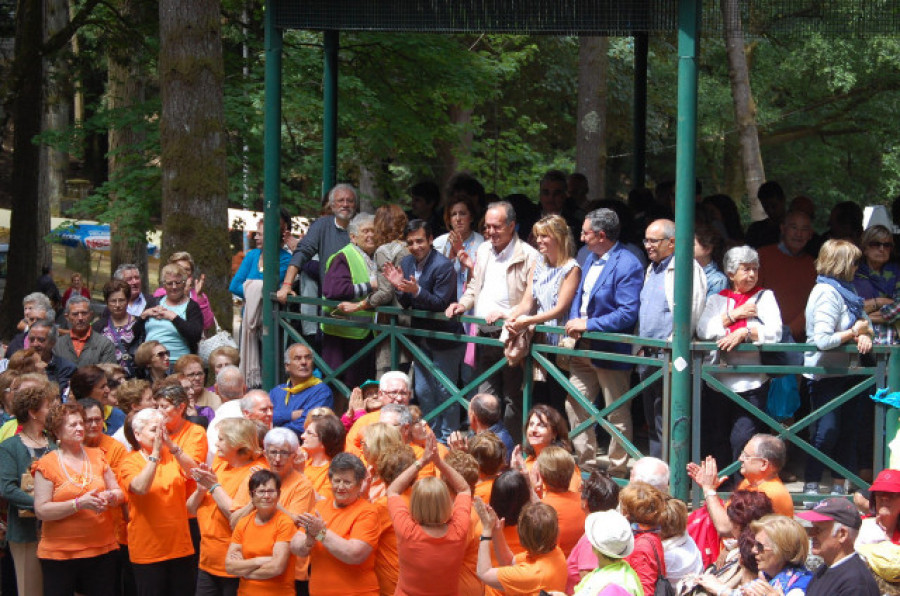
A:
(744, 106)
(192, 141)
(590, 140)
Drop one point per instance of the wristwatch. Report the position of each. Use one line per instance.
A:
(321, 535)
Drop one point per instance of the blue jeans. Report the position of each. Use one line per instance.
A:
(834, 434)
(431, 393)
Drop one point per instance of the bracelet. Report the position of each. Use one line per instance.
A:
(710, 493)
(153, 459)
(486, 538)
(213, 487)
(75, 504)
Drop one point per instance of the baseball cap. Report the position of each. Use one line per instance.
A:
(369, 383)
(888, 481)
(834, 509)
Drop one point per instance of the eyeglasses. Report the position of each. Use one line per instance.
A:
(161, 354)
(885, 245)
(275, 453)
(653, 241)
(396, 392)
(93, 420)
(265, 492)
(759, 547)
(174, 284)
(195, 375)
(746, 456)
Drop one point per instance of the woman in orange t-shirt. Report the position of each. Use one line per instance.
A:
(260, 549)
(509, 495)
(155, 478)
(546, 427)
(490, 453)
(74, 488)
(217, 497)
(390, 464)
(341, 536)
(323, 438)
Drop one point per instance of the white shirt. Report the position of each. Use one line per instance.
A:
(494, 293)
(591, 275)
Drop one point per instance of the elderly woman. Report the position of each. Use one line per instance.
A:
(743, 313)
(91, 381)
(218, 495)
(341, 536)
(834, 316)
(124, 330)
(25, 361)
(176, 321)
(17, 455)
(260, 552)
(877, 281)
(220, 358)
(433, 529)
(350, 276)
(193, 287)
(490, 455)
(542, 565)
(74, 488)
(643, 506)
(159, 539)
(609, 534)
(546, 427)
(322, 440)
(76, 288)
(392, 462)
(151, 360)
(191, 366)
(780, 546)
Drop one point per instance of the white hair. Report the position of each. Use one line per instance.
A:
(653, 471)
(281, 436)
(145, 417)
(395, 374)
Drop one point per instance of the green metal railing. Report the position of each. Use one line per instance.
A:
(405, 338)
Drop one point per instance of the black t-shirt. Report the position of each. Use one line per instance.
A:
(851, 578)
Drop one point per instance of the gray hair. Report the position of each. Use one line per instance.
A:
(121, 269)
(358, 221)
(343, 462)
(653, 471)
(287, 351)
(401, 410)
(342, 186)
(395, 374)
(37, 299)
(606, 221)
(247, 400)
(76, 299)
(507, 208)
(48, 324)
(230, 382)
(281, 436)
(145, 417)
(738, 255)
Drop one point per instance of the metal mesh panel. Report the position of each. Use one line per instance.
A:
(600, 17)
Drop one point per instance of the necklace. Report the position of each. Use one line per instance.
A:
(83, 479)
(36, 440)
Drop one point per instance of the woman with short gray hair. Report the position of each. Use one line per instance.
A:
(744, 312)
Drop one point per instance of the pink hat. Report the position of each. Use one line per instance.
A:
(888, 481)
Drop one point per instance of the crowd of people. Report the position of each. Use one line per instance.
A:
(129, 464)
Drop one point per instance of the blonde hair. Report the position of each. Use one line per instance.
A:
(837, 259)
(557, 228)
(789, 539)
(378, 437)
(430, 503)
(182, 256)
(556, 466)
(241, 434)
(175, 270)
(673, 521)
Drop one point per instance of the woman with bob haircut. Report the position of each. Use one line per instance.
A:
(834, 316)
(643, 506)
(91, 381)
(509, 494)
(151, 360)
(490, 454)
(390, 464)
(123, 329)
(219, 495)
(545, 427)
(433, 529)
(322, 439)
(542, 566)
(555, 467)
(781, 545)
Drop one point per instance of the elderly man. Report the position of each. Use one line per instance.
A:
(607, 300)
(761, 460)
(789, 271)
(835, 525)
(653, 471)
(138, 301)
(82, 346)
(502, 266)
(325, 237)
(231, 388)
(35, 306)
(393, 388)
(302, 392)
(484, 414)
(43, 336)
(655, 318)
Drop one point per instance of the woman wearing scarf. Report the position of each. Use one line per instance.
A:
(744, 312)
(834, 317)
(877, 281)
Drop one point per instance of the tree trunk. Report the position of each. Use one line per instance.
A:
(192, 139)
(744, 106)
(590, 144)
(126, 89)
(57, 110)
(25, 239)
(448, 152)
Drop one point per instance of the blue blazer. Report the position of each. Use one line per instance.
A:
(437, 291)
(614, 301)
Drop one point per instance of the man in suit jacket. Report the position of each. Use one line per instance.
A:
(82, 346)
(426, 280)
(607, 300)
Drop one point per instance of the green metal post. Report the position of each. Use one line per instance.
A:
(639, 124)
(685, 152)
(330, 101)
(271, 191)
(891, 415)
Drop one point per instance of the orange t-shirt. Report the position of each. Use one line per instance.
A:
(469, 584)
(574, 484)
(782, 503)
(530, 574)
(318, 476)
(192, 439)
(258, 541)
(331, 577)
(215, 528)
(571, 517)
(483, 489)
(353, 443)
(84, 533)
(511, 533)
(387, 560)
(158, 524)
(298, 496)
(115, 452)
